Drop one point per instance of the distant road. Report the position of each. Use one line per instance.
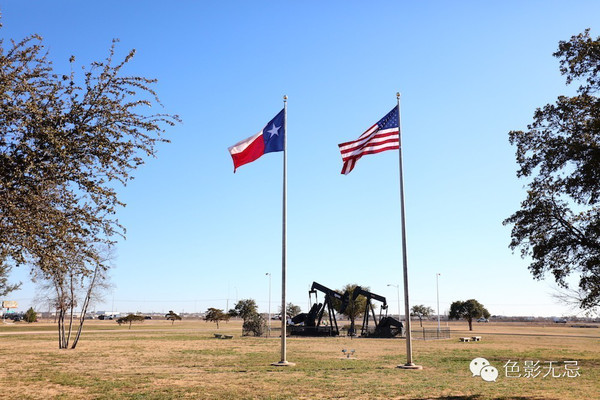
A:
(542, 334)
(101, 331)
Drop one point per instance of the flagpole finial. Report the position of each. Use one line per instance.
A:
(285, 97)
(398, 95)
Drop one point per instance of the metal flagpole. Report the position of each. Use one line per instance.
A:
(269, 324)
(283, 362)
(437, 289)
(409, 362)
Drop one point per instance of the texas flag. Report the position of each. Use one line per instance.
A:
(268, 140)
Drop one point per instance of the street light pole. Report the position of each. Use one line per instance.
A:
(269, 326)
(437, 287)
(398, 297)
(227, 307)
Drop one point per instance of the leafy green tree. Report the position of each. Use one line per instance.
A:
(30, 315)
(291, 310)
(253, 322)
(468, 310)
(421, 311)
(215, 315)
(354, 308)
(558, 223)
(131, 318)
(171, 316)
(246, 308)
(67, 141)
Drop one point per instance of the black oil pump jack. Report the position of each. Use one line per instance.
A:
(385, 327)
(309, 324)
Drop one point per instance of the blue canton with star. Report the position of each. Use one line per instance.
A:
(390, 120)
(273, 133)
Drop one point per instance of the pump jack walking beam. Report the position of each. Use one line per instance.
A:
(369, 307)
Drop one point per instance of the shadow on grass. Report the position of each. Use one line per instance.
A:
(480, 397)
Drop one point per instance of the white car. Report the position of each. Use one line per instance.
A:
(482, 320)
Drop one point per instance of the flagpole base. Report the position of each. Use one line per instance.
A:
(409, 366)
(283, 364)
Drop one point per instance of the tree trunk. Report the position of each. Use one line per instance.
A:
(72, 304)
(470, 323)
(84, 308)
(61, 310)
(61, 327)
(61, 333)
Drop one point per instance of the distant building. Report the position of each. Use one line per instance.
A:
(108, 314)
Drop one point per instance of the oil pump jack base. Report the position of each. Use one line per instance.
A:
(283, 364)
(410, 366)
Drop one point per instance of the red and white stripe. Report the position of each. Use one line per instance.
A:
(371, 142)
(247, 150)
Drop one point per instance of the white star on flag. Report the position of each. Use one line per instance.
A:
(274, 130)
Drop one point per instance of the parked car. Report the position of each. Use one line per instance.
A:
(15, 316)
(482, 320)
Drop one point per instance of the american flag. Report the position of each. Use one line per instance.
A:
(382, 136)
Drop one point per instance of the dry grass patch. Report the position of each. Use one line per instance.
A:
(156, 360)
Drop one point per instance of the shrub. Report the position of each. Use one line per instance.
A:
(254, 324)
(31, 315)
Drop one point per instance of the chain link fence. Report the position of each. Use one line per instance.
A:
(431, 333)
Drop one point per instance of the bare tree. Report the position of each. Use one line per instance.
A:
(75, 285)
(573, 299)
(97, 282)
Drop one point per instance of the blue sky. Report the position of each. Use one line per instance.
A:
(199, 236)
